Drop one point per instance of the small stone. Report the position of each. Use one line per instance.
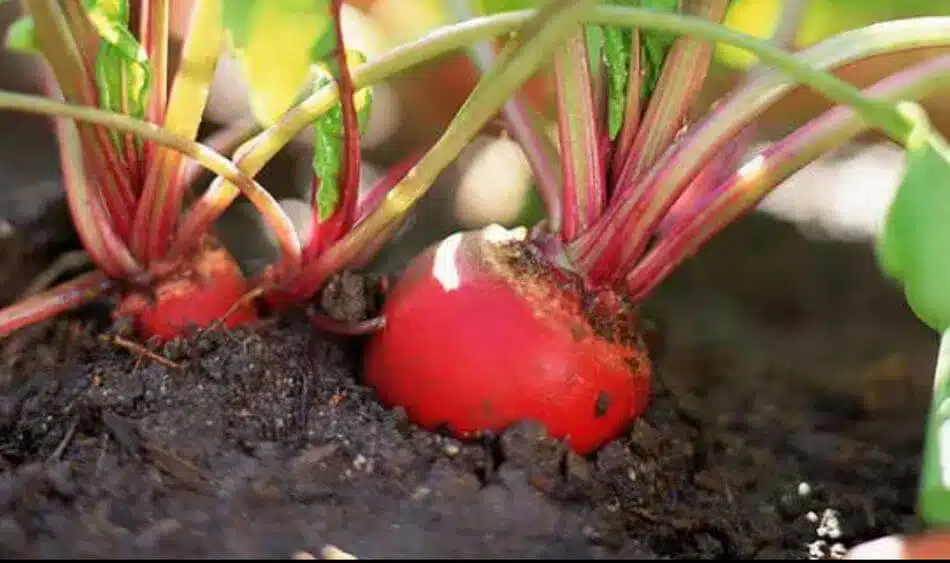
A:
(830, 525)
(804, 489)
(816, 549)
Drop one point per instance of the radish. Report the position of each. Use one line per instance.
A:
(486, 328)
(532, 345)
(208, 291)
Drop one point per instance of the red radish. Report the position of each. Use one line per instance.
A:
(493, 327)
(209, 291)
(479, 334)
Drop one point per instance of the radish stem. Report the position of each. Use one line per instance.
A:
(842, 49)
(159, 207)
(579, 131)
(746, 187)
(933, 500)
(154, 31)
(681, 80)
(277, 220)
(63, 297)
(517, 62)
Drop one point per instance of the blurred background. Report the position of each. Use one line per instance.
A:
(843, 196)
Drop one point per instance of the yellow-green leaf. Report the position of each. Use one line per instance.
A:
(914, 246)
(21, 36)
(328, 139)
(122, 69)
(273, 41)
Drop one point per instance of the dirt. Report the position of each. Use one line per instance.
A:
(791, 394)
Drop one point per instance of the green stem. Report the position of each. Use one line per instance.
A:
(933, 501)
(883, 115)
(278, 221)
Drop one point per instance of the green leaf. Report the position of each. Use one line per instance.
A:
(488, 7)
(274, 41)
(21, 36)
(328, 138)
(617, 43)
(914, 246)
(122, 69)
(654, 47)
(617, 55)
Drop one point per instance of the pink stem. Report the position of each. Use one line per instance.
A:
(61, 298)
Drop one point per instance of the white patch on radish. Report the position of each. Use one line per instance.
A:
(497, 234)
(444, 265)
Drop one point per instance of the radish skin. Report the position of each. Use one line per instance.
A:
(209, 291)
(478, 336)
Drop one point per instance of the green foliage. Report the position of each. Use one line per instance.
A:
(614, 46)
(328, 140)
(275, 42)
(21, 36)
(914, 247)
(122, 69)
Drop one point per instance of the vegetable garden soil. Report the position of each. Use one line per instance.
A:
(791, 392)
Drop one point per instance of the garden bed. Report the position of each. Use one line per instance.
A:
(787, 418)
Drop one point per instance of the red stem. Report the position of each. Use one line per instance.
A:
(580, 138)
(154, 32)
(709, 179)
(61, 298)
(344, 216)
(745, 188)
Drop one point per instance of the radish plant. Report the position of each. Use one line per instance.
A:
(129, 161)
(126, 131)
(489, 327)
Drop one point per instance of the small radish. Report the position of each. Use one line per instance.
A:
(212, 291)
(479, 335)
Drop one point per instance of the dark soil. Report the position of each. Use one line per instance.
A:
(786, 421)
